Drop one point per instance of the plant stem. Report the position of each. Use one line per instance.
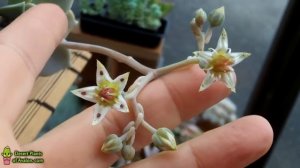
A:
(150, 73)
(149, 77)
(110, 53)
(200, 41)
(149, 127)
(208, 35)
(128, 134)
(164, 70)
(139, 111)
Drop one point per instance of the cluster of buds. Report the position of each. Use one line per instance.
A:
(162, 138)
(115, 144)
(215, 18)
(123, 144)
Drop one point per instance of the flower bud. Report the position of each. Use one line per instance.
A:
(112, 144)
(195, 27)
(216, 17)
(128, 152)
(164, 139)
(200, 17)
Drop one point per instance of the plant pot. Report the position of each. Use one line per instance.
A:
(6, 161)
(104, 27)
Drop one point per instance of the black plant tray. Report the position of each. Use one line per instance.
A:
(104, 27)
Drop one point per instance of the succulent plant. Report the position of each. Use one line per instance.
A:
(146, 14)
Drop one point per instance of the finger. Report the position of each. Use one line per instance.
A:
(25, 46)
(167, 102)
(234, 145)
(7, 137)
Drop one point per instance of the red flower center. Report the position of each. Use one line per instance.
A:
(107, 96)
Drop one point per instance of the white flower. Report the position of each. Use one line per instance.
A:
(218, 63)
(107, 94)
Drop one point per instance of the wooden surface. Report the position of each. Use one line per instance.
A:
(45, 96)
(147, 56)
(123, 47)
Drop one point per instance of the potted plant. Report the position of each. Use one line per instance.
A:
(139, 22)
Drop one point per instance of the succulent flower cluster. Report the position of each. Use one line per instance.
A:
(110, 94)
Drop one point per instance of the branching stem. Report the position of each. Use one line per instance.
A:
(164, 70)
(150, 74)
(149, 127)
(110, 53)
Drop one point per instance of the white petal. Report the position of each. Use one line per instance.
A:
(239, 56)
(99, 113)
(121, 105)
(204, 58)
(228, 79)
(86, 93)
(122, 80)
(206, 54)
(101, 73)
(208, 80)
(203, 63)
(223, 41)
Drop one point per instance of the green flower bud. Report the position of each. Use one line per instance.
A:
(112, 144)
(128, 152)
(216, 17)
(164, 139)
(200, 17)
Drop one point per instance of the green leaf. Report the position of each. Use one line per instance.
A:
(99, 5)
(10, 12)
(84, 5)
(72, 22)
(18, 1)
(64, 4)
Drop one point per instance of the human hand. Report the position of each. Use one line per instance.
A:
(25, 46)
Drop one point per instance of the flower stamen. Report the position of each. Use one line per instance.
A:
(221, 62)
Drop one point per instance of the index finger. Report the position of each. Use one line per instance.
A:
(25, 46)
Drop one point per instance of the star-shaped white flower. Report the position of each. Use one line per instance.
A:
(218, 63)
(107, 94)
